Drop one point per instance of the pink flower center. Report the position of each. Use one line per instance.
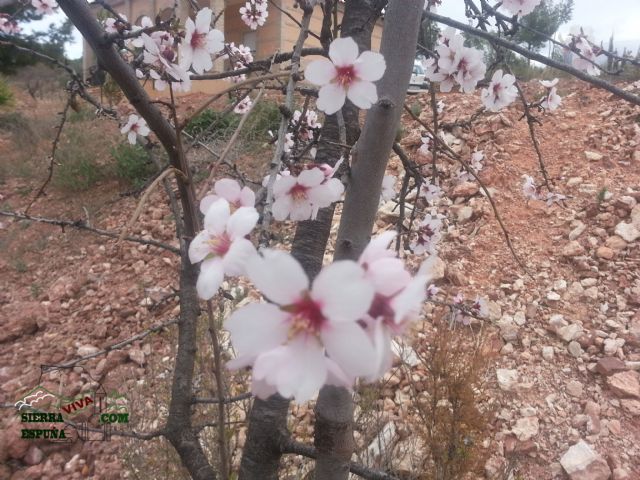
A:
(198, 40)
(220, 245)
(306, 316)
(346, 75)
(381, 309)
(298, 192)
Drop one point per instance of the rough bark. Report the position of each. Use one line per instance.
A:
(334, 409)
(268, 418)
(178, 429)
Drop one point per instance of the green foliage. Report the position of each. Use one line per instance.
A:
(6, 96)
(546, 19)
(133, 164)
(210, 124)
(79, 168)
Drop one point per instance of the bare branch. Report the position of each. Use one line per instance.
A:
(81, 225)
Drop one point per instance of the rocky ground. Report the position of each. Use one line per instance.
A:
(563, 387)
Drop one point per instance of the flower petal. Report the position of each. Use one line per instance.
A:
(388, 276)
(363, 94)
(247, 197)
(351, 348)
(256, 328)
(228, 189)
(331, 98)
(199, 247)
(320, 72)
(343, 51)
(210, 278)
(370, 66)
(409, 300)
(217, 216)
(282, 207)
(239, 254)
(311, 178)
(342, 291)
(242, 222)
(203, 19)
(278, 276)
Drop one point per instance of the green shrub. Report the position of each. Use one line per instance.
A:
(210, 122)
(6, 96)
(133, 164)
(78, 167)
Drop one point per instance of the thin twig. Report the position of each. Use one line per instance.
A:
(52, 159)
(473, 173)
(236, 398)
(81, 225)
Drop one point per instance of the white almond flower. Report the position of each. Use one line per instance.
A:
(200, 42)
(135, 126)
(345, 74)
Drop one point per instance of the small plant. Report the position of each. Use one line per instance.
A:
(132, 164)
(36, 290)
(6, 95)
(602, 195)
(78, 166)
(20, 265)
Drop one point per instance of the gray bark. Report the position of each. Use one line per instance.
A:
(267, 432)
(334, 409)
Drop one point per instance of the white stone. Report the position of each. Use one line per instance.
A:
(507, 379)
(627, 231)
(526, 428)
(582, 462)
(570, 332)
(548, 353)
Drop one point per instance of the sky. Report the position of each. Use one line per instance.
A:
(622, 17)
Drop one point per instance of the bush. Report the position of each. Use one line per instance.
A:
(133, 164)
(6, 96)
(210, 125)
(77, 157)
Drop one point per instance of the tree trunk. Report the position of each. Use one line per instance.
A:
(179, 430)
(268, 419)
(334, 409)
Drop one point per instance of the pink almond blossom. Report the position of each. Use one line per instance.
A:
(551, 101)
(231, 191)
(200, 42)
(587, 63)
(501, 92)
(221, 246)
(345, 74)
(520, 7)
(287, 341)
(299, 198)
(135, 126)
(44, 7)
(254, 14)
(243, 106)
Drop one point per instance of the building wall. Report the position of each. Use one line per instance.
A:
(278, 34)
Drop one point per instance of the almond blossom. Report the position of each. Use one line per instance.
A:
(428, 235)
(346, 75)
(254, 14)
(588, 63)
(287, 341)
(463, 315)
(243, 105)
(551, 101)
(456, 63)
(501, 92)
(529, 188)
(200, 42)
(232, 192)
(44, 7)
(111, 24)
(299, 198)
(159, 56)
(520, 7)
(305, 126)
(135, 126)
(398, 297)
(430, 192)
(145, 22)
(8, 26)
(221, 246)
